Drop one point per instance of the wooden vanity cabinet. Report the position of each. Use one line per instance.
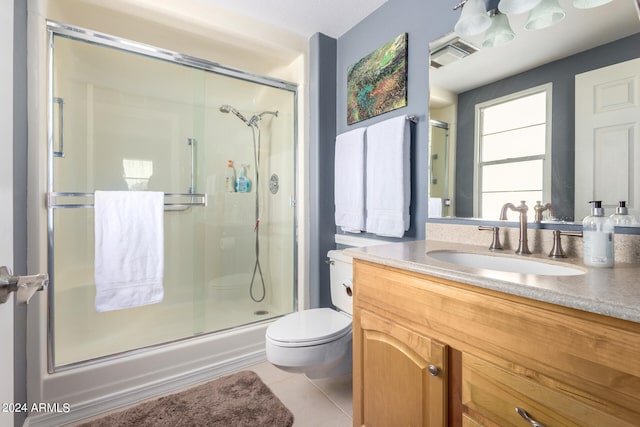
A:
(432, 352)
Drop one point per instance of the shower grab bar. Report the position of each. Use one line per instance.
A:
(196, 199)
(191, 142)
(60, 102)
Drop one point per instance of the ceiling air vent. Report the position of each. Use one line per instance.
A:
(452, 51)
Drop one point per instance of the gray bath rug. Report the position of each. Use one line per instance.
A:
(240, 399)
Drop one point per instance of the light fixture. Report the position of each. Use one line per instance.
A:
(473, 19)
(514, 7)
(588, 4)
(547, 13)
(490, 17)
(499, 33)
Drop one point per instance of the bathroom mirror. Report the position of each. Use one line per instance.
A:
(465, 77)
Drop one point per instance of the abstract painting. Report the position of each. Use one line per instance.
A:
(378, 82)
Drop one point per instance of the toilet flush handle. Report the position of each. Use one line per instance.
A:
(347, 286)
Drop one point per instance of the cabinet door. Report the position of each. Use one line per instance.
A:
(399, 375)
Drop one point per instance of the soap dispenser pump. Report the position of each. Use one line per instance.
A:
(622, 217)
(598, 237)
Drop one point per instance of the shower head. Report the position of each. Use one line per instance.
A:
(275, 113)
(229, 109)
(253, 121)
(256, 118)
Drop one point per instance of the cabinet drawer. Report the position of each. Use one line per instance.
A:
(495, 390)
(467, 421)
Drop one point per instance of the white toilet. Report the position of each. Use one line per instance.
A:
(317, 342)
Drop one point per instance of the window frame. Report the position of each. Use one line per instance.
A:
(546, 88)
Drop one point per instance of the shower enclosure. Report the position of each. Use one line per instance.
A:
(127, 116)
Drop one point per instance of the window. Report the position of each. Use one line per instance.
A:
(137, 173)
(513, 150)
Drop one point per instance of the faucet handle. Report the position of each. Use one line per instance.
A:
(495, 242)
(539, 208)
(557, 251)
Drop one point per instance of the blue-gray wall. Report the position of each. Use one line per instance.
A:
(561, 73)
(322, 132)
(329, 60)
(422, 21)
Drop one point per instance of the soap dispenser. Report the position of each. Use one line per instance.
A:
(622, 217)
(243, 185)
(598, 237)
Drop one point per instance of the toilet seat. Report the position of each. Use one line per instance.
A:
(309, 327)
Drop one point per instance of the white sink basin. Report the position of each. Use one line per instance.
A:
(502, 263)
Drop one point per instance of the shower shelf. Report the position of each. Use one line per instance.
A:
(172, 200)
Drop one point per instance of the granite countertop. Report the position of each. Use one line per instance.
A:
(613, 292)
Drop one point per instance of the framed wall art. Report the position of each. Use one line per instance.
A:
(377, 83)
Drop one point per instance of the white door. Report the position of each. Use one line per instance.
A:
(6, 205)
(607, 138)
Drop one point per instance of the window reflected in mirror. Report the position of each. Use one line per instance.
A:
(512, 150)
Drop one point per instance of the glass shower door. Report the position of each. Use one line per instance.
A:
(130, 122)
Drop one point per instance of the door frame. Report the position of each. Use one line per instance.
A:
(6, 213)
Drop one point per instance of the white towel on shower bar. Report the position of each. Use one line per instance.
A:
(129, 249)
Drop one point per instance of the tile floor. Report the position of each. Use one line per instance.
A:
(314, 403)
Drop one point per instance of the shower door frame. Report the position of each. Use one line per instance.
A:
(101, 39)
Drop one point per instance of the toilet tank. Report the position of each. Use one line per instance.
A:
(341, 273)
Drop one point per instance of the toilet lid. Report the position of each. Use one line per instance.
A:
(309, 327)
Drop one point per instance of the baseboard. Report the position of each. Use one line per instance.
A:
(90, 409)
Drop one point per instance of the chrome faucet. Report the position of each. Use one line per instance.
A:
(523, 245)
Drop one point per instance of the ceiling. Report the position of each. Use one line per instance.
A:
(304, 17)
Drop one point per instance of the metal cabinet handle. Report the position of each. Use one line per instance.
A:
(527, 417)
(433, 370)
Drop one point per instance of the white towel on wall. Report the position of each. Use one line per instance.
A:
(388, 177)
(129, 249)
(349, 181)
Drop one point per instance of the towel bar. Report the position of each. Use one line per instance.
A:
(195, 199)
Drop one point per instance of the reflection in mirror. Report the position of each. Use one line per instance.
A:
(465, 78)
(439, 203)
(512, 150)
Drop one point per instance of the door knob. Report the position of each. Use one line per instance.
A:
(24, 286)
